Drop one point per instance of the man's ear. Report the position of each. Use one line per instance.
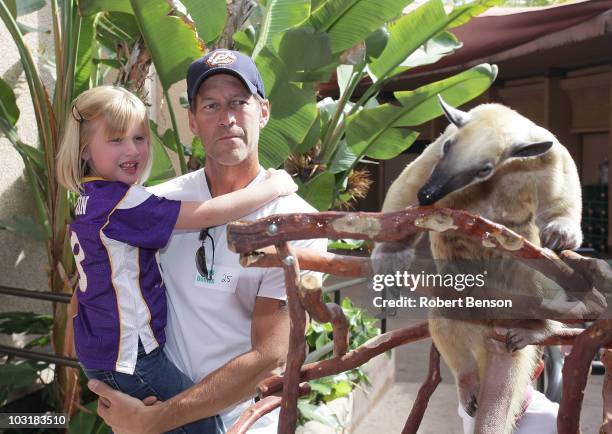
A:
(193, 126)
(265, 113)
(530, 149)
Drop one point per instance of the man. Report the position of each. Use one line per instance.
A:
(228, 332)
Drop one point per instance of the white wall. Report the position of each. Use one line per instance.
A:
(23, 262)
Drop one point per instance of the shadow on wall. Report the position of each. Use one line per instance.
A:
(23, 261)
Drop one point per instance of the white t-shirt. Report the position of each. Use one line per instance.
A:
(210, 324)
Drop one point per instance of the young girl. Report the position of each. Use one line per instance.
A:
(117, 230)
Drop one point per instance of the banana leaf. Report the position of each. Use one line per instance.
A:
(90, 7)
(423, 102)
(209, 17)
(84, 67)
(414, 29)
(302, 50)
(9, 112)
(319, 190)
(351, 21)
(280, 15)
(162, 169)
(173, 43)
(25, 7)
(380, 132)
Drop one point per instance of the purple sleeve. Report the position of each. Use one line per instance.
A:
(143, 219)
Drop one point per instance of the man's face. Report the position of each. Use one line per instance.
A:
(227, 118)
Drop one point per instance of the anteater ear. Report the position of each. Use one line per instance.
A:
(530, 149)
(455, 116)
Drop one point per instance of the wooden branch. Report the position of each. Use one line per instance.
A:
(606, 426)
(244, 237)
(278, 230)
(576, 367)
(312, 299)
(297, 345)
(254, 413)
(595, 271)
(525, 305)
(565, 336)
(311, 259)
(379, 345)
(528, 306)
(259, 409)
(427, 389)
(352, 359)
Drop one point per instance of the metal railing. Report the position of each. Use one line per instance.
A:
(38, 295)
(30, 354)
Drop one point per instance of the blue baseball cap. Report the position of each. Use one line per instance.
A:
(224, 62)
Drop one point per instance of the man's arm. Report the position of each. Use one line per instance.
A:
(230, 384)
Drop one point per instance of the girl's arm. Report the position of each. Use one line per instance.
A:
(232, 206)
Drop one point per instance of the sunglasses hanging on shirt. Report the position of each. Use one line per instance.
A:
(200, 256)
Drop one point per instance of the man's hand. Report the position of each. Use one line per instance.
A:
(123, 413)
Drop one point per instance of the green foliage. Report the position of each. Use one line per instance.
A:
(25, 226)
(105, 35)
(84, 56)
(381, 132)
(9, 112)
(407, 34)
(319, 190)
(345, 244)
(86, 420)
(25, 322)
(17, 375)
(320, 413)
(362, 327)
(162, 169)
(280, 15)
(296, 44)
(356, 39)
(25, 7)
(171, 55)
(349, 22)
(209, 17)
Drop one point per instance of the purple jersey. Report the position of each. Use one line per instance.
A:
(115, 235)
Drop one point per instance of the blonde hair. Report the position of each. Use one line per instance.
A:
(118, 109)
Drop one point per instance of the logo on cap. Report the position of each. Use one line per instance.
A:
(221, 58)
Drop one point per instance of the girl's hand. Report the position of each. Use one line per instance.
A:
(281, 181)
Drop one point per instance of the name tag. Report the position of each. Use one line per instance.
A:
(223, 279)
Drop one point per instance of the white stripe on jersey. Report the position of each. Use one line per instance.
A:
(134, 315)
(134, 197)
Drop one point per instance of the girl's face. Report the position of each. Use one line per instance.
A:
(121, 158)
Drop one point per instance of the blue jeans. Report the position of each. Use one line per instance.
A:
(156, 376)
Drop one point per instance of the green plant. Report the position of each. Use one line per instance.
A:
(52, 202)
(17, 377)
(90, 41)
(299, 44)
(362, 327)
